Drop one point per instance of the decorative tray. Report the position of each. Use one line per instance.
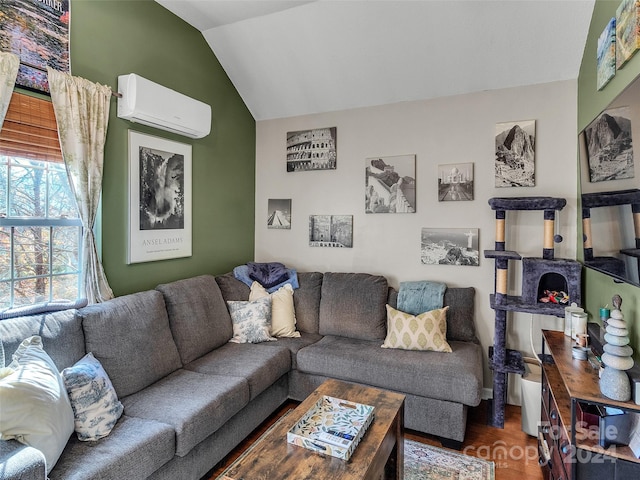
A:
(332, 426)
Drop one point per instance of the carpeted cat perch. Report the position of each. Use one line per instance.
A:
(548, 285)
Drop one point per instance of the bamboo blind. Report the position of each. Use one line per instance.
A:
(30, 130)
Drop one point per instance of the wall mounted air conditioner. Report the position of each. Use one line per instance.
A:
(146, 102)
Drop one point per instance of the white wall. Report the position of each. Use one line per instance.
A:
(441, 131)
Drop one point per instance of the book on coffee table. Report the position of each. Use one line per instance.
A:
(333, 426)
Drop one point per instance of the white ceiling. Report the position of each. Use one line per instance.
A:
(288, 57)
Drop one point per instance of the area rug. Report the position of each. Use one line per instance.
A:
(425, 462)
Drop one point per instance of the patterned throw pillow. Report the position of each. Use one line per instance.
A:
(427, 331)
(251, 320)
(96, 407)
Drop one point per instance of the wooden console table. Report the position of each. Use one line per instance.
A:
(568, 450)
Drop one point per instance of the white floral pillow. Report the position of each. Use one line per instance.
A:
(96, 407)
(251, 321)
(427, 331)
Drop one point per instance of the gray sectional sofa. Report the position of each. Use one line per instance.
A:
(190, 396)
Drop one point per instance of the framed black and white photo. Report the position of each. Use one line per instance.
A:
(455, 182)
(390, 184)
(609, 146)
(160, 217)
(515, 154)
(331, 231)
(450, 246)
(279, 213)
(313, 149)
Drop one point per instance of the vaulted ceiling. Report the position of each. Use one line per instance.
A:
(290, 57)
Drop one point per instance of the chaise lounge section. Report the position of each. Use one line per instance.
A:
(190, 396)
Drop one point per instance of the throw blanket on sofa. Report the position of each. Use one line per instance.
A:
(271, 278)
(419, 297)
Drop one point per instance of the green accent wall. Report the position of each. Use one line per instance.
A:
(111, 38)
(597, 287)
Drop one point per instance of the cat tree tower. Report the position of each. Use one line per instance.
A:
(539, 276)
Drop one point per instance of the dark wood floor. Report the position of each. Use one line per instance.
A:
(514, 452)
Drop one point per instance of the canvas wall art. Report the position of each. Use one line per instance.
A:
(610, 146)
(331, 231)
(390, 184)
(313, 149)
(450, 246)
(606, 55)
(627, 38)
(455, 182)
(279, 213)
(37, 31)
(515, 154)
(160, 215)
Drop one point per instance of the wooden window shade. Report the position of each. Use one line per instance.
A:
(30, 130)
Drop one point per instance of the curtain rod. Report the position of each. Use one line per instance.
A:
(116, 94)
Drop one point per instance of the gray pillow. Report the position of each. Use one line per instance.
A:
(232, 289)
(306, 301)
(198, 315)
(131, 338)
(460, 317)
(353, 305)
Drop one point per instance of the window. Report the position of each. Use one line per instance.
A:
(40, 231)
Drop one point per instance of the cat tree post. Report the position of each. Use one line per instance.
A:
(539, 275)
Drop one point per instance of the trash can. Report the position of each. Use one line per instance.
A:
(530, 396)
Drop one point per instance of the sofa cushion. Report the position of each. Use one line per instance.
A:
(294, 344)
(353, 305)
(131, 338)
(96, 407)
(232, 288)
(195, 404)
(198, 315)
(61, 334)
(135, 449)
(426, 331)
(460, 317)
(455, 376)
(35, 406)
(260, 366)
(306, 300)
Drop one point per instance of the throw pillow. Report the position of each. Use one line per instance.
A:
(427, 331)
(95, 405)
(35, 406)
(283, 315)
(251, 320)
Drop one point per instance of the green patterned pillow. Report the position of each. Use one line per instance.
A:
(427, 331)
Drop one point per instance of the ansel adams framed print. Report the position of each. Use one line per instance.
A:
(455, 182)
(279, 213)
(159, 198)
(515, 154)
(331, 231)
(450, 246)
(390, 184)
(312, 149)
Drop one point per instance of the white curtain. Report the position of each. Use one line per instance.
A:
(9, 64)
(82, 114)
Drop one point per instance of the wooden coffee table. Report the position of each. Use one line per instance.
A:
(379, 455)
